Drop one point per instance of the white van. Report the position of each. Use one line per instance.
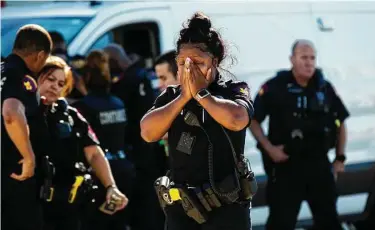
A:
(260, 35)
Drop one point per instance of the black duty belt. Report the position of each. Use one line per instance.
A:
(196, 201)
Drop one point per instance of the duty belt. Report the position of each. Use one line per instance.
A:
(195, 201)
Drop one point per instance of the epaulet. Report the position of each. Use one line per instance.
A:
(282, 75)
(231, 82)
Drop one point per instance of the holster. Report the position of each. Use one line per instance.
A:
(192, 207)
(169, 195)
(162, 185)
(48, 171)
(248, 183)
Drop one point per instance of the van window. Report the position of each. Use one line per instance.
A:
(69, 27)
(102, 42)
(139, 38)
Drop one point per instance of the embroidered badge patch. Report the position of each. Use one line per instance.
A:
(242, 89)
(29, 84)
(263, 89)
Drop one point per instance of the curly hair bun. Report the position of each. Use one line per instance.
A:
(201, 22)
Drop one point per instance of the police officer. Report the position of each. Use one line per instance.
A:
(368, 221)
(166, 72)
(166, 69)
(206, 119)
(19, 100)
(306, 119)
(132, 85)
(106, 115)
(72, 147)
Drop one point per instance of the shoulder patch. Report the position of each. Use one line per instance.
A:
(241, 88)
(29, 84)
(115, 79)
(263, 89)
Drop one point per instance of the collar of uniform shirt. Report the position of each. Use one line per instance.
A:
(20, 64)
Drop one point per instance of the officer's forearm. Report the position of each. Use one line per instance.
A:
(16, 125)
(258, 134)
(157, 122)
(226, 112)
(95, 157)
(341, 140)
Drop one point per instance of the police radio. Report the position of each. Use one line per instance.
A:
(60, 121)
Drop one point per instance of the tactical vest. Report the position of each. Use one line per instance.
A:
(308, 119)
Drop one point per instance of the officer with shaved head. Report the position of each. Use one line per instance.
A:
(306, 120)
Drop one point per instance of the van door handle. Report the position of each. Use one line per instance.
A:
(323, 26)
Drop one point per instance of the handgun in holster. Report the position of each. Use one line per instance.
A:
(192, 207)
(162, 185)
(48, 169)
(248, 182)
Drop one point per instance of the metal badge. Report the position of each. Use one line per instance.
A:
(297, 133)
(294, 88)
(71, 121)
(186, 143)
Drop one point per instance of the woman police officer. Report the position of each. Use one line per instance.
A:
(71, 140)
(107, 116)
(206, 118)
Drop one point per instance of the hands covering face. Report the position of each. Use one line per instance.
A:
(193, 80)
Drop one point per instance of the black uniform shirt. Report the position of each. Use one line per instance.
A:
(271, 101)
(65, 152)
(191, 166)
(16, 82)
(106, 114)
(137, 94)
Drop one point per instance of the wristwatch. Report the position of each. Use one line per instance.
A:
(111, 186)
(341, 158)
(202, 94)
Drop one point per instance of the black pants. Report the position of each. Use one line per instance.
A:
(61, 216)
(20, 209)
(144, 206)
(227, 217)
(296, 180)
